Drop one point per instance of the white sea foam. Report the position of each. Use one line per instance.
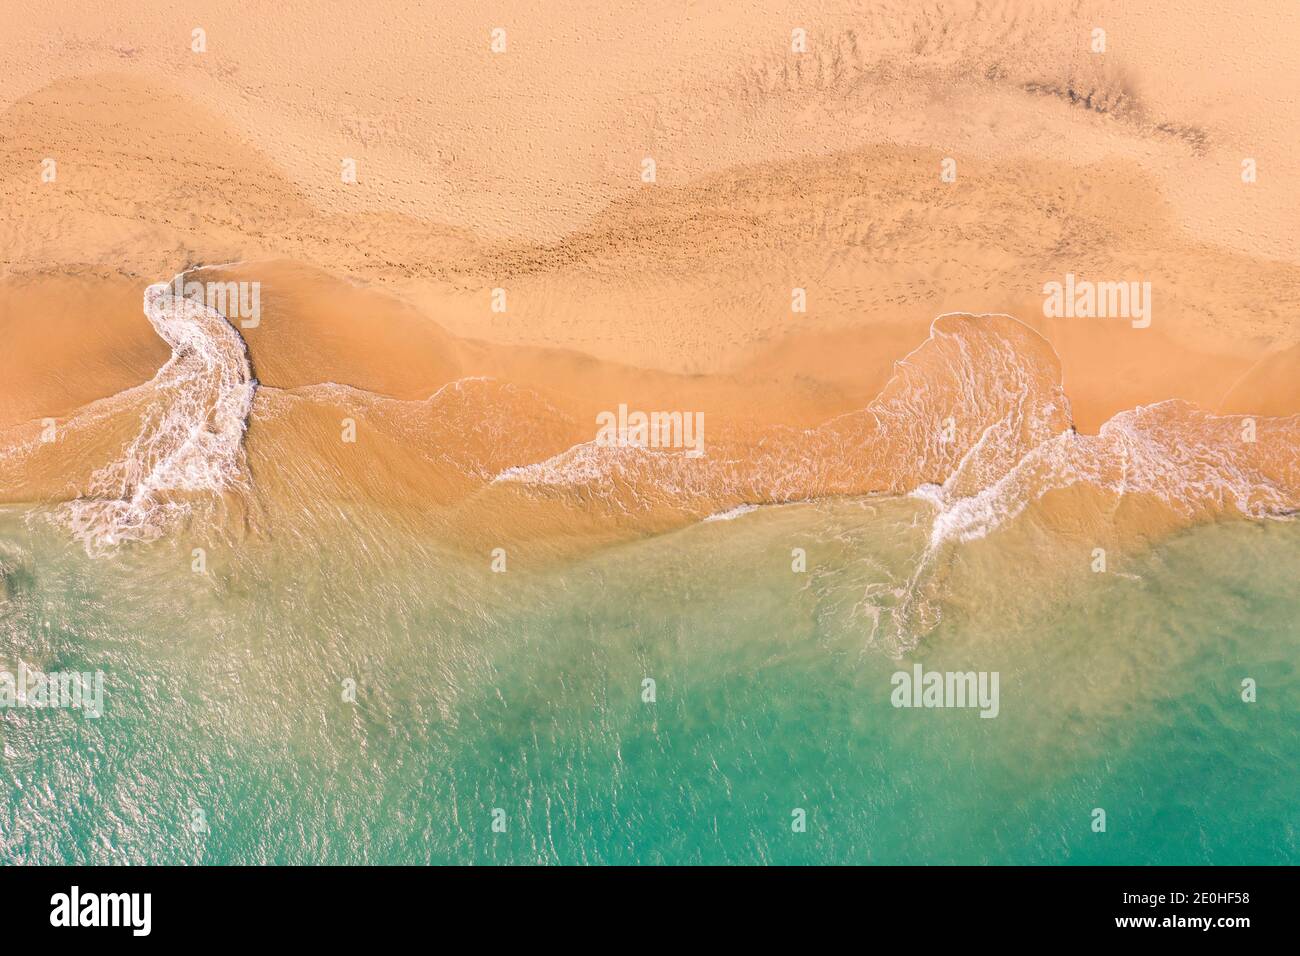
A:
(1011, 442)
(992, 377)
(583, 463)
(731, 514)
(1191, 461)
(191, 430)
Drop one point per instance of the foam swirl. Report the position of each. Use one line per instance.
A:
(191, 431)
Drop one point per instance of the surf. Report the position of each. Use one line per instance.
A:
(191, 430)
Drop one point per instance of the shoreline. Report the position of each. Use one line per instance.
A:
(448, 432)
(322, 330)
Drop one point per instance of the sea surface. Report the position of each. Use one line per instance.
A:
(363, 693)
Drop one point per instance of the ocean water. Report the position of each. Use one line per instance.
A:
(313, 651)
(516, 697)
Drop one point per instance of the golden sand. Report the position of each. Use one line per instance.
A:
(523, 172)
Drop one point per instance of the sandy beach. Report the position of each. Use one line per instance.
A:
(542, 434)
(821, 192)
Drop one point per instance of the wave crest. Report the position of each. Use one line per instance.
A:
(190, 438)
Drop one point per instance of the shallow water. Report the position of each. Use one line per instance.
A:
(226, 736)
(471, 635)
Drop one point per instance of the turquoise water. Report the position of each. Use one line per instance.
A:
(227, 739)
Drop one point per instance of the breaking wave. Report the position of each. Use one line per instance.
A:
(190, 435)
(976, 422)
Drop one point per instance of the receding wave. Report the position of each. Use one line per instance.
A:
(190, 433)
(974, 423)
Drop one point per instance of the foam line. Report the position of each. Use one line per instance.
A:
(191, 430)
